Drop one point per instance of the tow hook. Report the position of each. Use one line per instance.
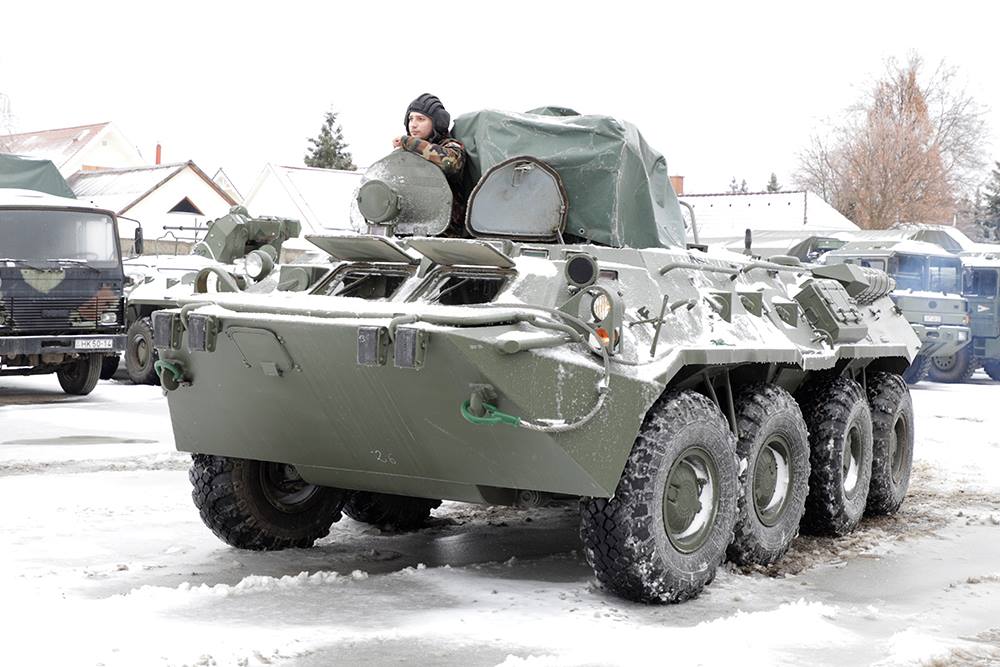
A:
(171, 374)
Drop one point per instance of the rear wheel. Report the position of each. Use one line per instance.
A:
(840, 458)
(892, 431)
(80, 376)
(992, 369)
(384, 509)
(957, 367)
(140, 355)
(917, 370)
(773, 451)
(108, 366)
(261, 505)
(662, 535)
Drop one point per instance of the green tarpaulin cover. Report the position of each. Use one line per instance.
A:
(32, 174)
(619, 192)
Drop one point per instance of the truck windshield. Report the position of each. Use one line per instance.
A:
(945, 275)
(909, 272)
(38, 235)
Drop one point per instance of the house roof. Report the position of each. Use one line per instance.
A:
(320, 198)
(59, 145)
(121, 189)
(728, 215)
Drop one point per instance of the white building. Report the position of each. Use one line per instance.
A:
(321, 199)
(726, 217)
(73, 149)
(159, 197)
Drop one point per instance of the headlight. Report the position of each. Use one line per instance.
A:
(962, 335)
(109, 318)
(258, 264)
(600, 307)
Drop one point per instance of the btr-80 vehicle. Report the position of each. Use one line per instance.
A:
(928, 291)
(568, 348)
(237, 250)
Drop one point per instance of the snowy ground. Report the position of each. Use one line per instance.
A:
(104, 561)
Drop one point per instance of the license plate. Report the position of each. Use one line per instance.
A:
(94, 344)
(932, 318)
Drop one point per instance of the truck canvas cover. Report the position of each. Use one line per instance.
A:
(609, 171)
(27, 173)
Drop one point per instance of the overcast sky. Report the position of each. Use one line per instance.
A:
(723, 90)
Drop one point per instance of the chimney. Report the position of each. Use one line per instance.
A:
(157, 152)
(677, 183)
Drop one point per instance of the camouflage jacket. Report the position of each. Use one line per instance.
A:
(448, 155)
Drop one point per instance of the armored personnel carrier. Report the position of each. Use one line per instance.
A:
(568, 348)
(928, 291)
(237, 251)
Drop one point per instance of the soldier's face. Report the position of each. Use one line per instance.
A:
(420, 125)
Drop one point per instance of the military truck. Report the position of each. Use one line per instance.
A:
(237, 251)
(61, 288)
(928, 291)
(981, 271)
(567, 348)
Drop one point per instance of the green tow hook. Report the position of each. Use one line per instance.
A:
(170, 374)
(490, 416)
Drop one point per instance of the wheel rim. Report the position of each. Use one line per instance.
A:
(852, 462)
(690, 499)
(772, 481)
(944, 363)
(898, 443)
(140, 351)
(283, 487)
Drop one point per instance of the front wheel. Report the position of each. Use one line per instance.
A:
(109, 365)
(892, 431)
(664, 532)
(917, 370)
(140, 355)
(992, 369)
(261, 505)
(958, 367)
(80, 376)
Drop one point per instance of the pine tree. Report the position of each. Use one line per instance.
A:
(772, 183)
(329, 150)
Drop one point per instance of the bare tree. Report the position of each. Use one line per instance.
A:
(908, 151)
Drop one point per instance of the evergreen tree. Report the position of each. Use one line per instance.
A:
(329, 150)
(988, 206)
(772, 183)
(738, 188)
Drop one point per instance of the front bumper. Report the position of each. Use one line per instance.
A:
(74, 344)
(942, 340)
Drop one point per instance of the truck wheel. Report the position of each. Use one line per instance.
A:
(957, 367)
(108, 366)
(992, 369)
(840, 457)
(917, 370)
(383, 509)
(892, 431)
(662, 535)
(140, 355)
(80, 376)
(260, 505)
(773, 452)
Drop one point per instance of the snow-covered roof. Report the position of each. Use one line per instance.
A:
(889, 245)
(58, 145)
(319, 198)
(121, 189)
(11, 197)
(728, 216)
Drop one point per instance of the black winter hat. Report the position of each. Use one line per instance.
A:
(430, 106)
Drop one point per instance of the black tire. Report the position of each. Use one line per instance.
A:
(80, 376)
(892, 431)
(958, 367)
(773, 452)
(383, 509)
(840, 455)
(992, 369)
(140, 355)
(684, 440)
(917, 370)
(109, 365)
(259, 505)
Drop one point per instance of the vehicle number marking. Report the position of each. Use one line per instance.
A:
(932, 318)
(383, 457)
(93, 344)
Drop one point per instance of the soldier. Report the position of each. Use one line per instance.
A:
(427, 123)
